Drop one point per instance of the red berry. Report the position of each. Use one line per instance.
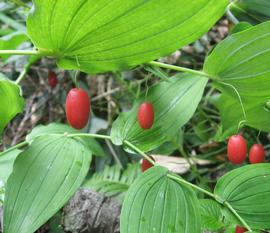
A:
(52, 79)
(146, 165)
(237, 149)
(77, 108)
(240, 229)
(146, 115)
(256, 154)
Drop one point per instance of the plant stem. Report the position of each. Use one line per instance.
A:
(24, 52)
(215, 197)
(179, 68)
(90, 135)
(22, 144)
(25, 71)
(182, 181)
(226, 204)
(130, 145)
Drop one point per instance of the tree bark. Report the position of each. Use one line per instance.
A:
(91, 212)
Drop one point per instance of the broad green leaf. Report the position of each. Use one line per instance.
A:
(174, 104)
(253, 11)
(11, 41)
(44, 177)
(241, 62)
(211, 215)
(247, 190)
(242, 26)
(155, 203)
(6, 164)
(97, 36)
(113, 181)
(57, 128)
(12, 102)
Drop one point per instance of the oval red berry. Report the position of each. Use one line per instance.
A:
(240, 229)
(256, 154)
(52, 79)
(237, 149)
(146, 115)
(146, 165)
(77, 108)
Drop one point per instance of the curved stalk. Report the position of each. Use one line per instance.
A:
(180, 69)
(215, 197)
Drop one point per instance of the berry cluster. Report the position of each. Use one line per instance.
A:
(237, 151)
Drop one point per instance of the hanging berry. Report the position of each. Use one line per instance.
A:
(146, 115)
(146, 164)
(256, 154)
(240, 229)
(237, 149)
(52, 79)
(77, 108)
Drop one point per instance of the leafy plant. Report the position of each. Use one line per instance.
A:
(41, 173)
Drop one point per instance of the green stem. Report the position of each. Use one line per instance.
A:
(22, 144)
(24, 52)
(182, 181)
(179, 68)
(215, 197)
(136, 149)
(25, 71)
(226, 204)
(90, 136)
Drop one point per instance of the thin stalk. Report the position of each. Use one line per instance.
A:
(226, 204)
(22, 144)
(133, 147)
(25, 71)
(179, 68)
(89, 135)
(25, 52)
(215, 197)
(182, 181)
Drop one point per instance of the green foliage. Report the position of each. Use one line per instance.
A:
(11, 101)
(6, 164)
(57, 128)
(44, 177)
(155, 203)
(211, 214)
(241, 62)
(246, 189)
(98, 36)
(113, 181)
(253, 11)
(174, 104)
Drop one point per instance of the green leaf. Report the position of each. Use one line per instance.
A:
(44, 177)
(247, 190)
(242, 26)
(155, 203)
(241, 62)
(174, 104)
(57, 128)
(98, 36)
(211, 214)
(6, 164)
(253, 11)
(11, 101)
(113, 181)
